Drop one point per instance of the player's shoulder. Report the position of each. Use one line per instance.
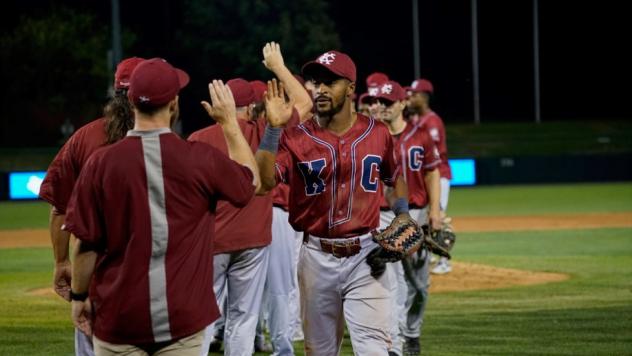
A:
(205, 134)
(376, 127)
(95, 129)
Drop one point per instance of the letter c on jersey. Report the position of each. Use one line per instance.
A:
(369, 180)
(311, 170)
(415, 158)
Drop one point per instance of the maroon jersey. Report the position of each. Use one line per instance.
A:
(281, 196)
(417, 155)
(432, 123)
(65, 168)
(334, 181)
(251, 226)
(147, 205)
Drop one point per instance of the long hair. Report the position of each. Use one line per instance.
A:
(119, 116)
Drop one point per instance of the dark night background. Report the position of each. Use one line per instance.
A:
(584, 61)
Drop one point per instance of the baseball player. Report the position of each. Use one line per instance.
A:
(241, 250)
(143, 211)
(333, 164)
(419, 160)
(420, 93)
(64, 171)
(281, 280)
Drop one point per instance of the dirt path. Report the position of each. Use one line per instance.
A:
(464, 276)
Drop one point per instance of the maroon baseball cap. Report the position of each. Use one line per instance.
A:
(336, 62)
(259, 88)
(155, 82)
(376, 79)
(242, 92)
(391, 91)
(422, 85)
(124, 70)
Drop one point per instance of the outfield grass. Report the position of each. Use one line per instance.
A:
(588, 314)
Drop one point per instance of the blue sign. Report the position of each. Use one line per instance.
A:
(463, 172)
(25, 185)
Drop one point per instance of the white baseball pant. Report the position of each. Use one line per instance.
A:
(335, 290)
(83, 344)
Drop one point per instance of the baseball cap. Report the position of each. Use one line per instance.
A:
(155, 82)
(421, 85)
(390, 91)
(242, 92)
(334, 61)
(259, 88)
(375, 79)
(124, 70)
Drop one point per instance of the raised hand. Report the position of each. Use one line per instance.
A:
(278, 111)
(272, 58)
(223, 108)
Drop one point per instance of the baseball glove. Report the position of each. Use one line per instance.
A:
(439, 241)
(401, 238)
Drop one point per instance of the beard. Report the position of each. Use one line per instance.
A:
(331, 109)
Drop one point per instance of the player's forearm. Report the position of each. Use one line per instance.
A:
(60, 239)
(433, 187)
(397, 196)
(84, 262)
(265, 162)
(239, 150)
(295, 90)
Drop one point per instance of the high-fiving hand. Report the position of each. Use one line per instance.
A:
(223, 108)
(278, 111)
(272, 57)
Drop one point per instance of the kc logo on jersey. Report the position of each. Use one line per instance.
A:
(370, 181)
(311, 170)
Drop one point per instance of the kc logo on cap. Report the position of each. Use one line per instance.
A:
(327, 58)
(387, 88)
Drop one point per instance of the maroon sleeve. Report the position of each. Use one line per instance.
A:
(283, 159)
(60, 179)
(390, 170)
(225, 178)
(431, 154)
(83, 217)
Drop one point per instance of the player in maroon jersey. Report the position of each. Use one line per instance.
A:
(420, 93)
(333, 164)
(143, 211)
(64, 171)
(419, 159)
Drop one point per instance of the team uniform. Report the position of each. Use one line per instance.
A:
(60, 180)
(432, 123)
(417, 155)
(147, 204)
(281, 290)
(335, 193)
(241, 251)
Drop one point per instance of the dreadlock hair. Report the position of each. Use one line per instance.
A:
(119, 116)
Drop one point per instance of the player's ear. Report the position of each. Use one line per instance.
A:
(351, 88)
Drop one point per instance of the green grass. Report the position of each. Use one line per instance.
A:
(24, 215)
(541, 199)
(588, 314)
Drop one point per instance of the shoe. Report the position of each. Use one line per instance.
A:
(411, 346)
(298, 335)
(442, 267)
(262, 346)
(215, 346)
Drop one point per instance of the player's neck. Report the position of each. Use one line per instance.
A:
(424, 109)
(340, 122)
(144, 122)
(397, 126)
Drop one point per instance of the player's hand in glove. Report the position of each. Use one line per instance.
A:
(401, 238)
(440, 241)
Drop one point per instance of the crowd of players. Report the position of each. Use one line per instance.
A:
(291, 259)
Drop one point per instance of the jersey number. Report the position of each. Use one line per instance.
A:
(311, 170)
(369, 180)
(415, 158)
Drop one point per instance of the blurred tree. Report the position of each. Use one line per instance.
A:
(227, 36)
(54, 67)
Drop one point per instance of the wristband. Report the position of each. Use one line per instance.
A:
(400, 206)
(80, 297)
(270, 139)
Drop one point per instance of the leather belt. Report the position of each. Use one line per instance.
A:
(341, 248)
